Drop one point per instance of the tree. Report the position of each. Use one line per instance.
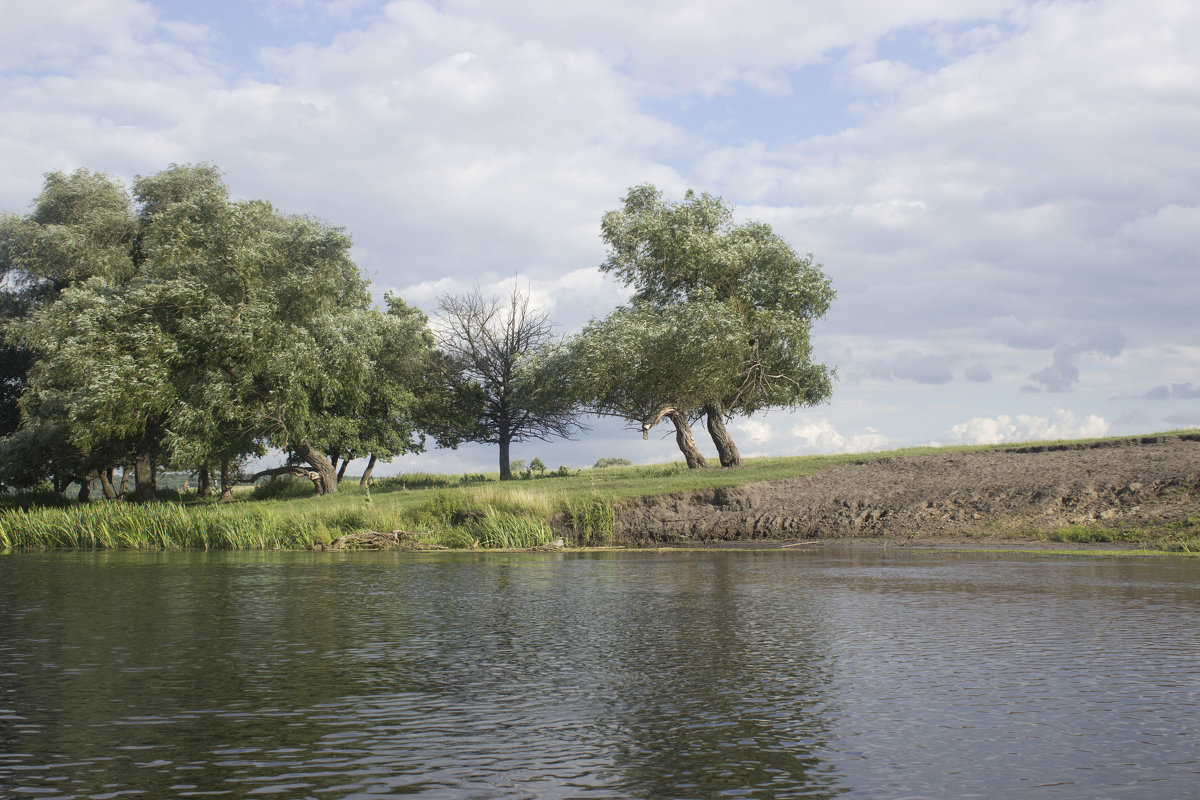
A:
(494, 356)
(390, 403)
(644, 364)
(227, 328)
(82, 227)
(692, 252)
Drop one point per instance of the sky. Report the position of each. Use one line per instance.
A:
(1005, 194)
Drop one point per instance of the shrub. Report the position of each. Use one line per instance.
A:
(284, 487)
(602, 463)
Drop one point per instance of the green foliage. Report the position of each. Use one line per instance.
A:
(640, 359)
(159, 526)
(282, 488)
(510, 531)
(720, 318)
(537, 466)
(191, 329)
(444, 508)
(605, 463)
(593, 521)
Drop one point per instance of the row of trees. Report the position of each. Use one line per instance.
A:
(170, 325)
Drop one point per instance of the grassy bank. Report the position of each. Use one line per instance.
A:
(446, 511)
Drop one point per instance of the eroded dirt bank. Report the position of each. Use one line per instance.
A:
(1019, 492)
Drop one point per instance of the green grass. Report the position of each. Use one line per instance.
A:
(1181, 536)
(450, 510)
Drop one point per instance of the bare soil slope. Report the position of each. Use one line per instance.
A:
(1015, 493)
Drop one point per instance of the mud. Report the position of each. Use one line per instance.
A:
(1019, 493)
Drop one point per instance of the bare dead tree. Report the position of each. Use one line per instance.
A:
(497, 345)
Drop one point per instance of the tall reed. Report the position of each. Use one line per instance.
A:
(154, 526)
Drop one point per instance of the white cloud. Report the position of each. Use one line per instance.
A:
(756, 431)
(820, 436)
(1061, 424)
(569, 298)
(989, 181)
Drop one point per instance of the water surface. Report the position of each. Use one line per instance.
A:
(803, 673)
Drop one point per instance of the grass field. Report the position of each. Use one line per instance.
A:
(448, 511)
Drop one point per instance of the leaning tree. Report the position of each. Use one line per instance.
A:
(645, 364)
(678, 254)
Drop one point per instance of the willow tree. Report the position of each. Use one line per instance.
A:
(645, 364)
(679, 254)
(226, 328)
(82, 227)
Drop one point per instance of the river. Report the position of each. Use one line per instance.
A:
(856, 672)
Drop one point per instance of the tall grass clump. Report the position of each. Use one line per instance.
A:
(522, 502)
(500, 530)
(593, 521)
(163, 526)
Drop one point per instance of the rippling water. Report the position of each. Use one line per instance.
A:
(800, 673)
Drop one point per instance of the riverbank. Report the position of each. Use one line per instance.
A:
(1139, 492)
(1142, 491)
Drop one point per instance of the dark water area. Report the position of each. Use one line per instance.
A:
(803, 673)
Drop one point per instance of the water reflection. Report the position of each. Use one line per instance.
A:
(699, 675)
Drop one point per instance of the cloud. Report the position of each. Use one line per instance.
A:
(1061, 424)
(914, 366)
(1185, 418)
(1062, 375)
(569, 298)
(978, 373)
(957, 165)
(1182, 391)
(819, 436)
(755, 431)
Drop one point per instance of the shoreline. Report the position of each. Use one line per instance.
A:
(1116, 493)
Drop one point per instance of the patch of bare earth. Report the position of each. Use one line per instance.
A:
(1019, 493)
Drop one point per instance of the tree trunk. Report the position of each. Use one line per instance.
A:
(342, 470)
(366, 476)
(683, 438)
(505, 469)
(726, 449)
(124, 481)
(85, 487)
(323, 466)
(106, 476)
(226, 489)
(144, 472)
(204, 486)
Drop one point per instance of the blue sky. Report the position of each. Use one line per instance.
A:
(1006, 194)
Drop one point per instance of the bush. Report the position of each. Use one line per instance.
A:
(602, 463)
(284, 487)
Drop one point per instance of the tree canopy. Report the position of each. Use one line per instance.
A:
(169, 324)
(692, 258)
(196, 330)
